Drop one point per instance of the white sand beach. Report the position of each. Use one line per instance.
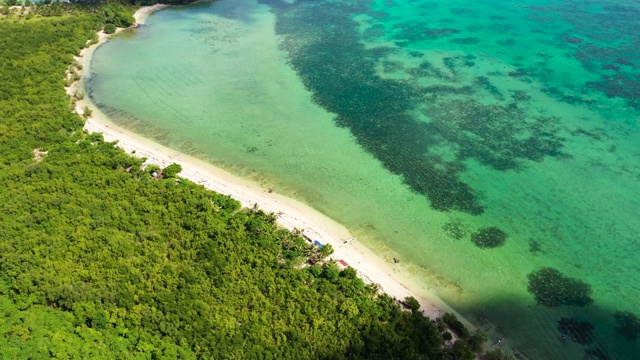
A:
(291, 213)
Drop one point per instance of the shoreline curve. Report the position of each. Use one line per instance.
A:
(292, 214)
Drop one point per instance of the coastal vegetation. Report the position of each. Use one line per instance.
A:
(495, 354)
(455, 325)
(100, 257)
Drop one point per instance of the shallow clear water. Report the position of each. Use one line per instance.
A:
(416, 124)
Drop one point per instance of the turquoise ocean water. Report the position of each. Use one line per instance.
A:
(431, 130)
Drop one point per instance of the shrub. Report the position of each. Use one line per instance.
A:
(86, 112)
(496, 354)
(455, 325)
(411, 303)
(172, 170)
(109, 28)
(152, 169)
(315, 270)
(330, 272)
(476, 340)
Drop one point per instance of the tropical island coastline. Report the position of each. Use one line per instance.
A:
(292, 214)
(297, 217)
(508, 276)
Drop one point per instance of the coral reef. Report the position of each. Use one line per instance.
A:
(552, 289)
(489, 237)
(628, 325)
(455, 229)
(534, 246)
(580, 332)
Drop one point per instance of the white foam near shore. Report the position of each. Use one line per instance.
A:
(292, 214)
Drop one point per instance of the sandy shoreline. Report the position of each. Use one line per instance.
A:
(291, 213)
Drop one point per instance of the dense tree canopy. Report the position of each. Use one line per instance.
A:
(100, 259)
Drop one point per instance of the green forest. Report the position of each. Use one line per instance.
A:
(99, 259)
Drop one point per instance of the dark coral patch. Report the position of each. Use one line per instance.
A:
(520, 96)
(325, 49)
(494, 135)
(466, 41)
(534, 247)
(506, 42)
(628, 325)
(517, 73)
(489, 237)
(597, 354)
(455, 229)
(552, 289)
(620, 85)
(573, 40)
(436, 33)
(580, 332)
(625, 62)
(341, 73)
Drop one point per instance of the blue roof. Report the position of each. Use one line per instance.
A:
(318, 243)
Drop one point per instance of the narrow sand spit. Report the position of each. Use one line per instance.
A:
(291, 213)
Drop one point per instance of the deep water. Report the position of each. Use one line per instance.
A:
(492, 146)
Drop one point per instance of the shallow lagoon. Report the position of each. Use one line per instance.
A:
(416, 124)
